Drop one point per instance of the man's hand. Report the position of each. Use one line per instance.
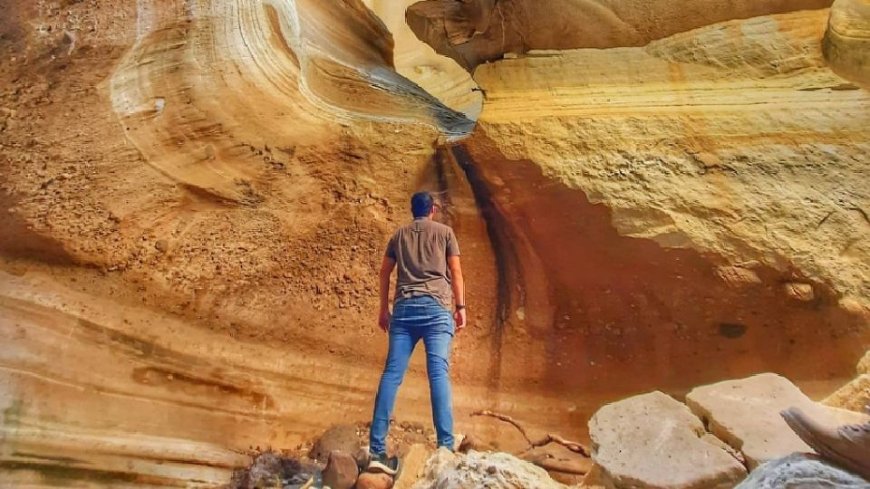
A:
(460, 318)
(384, 320)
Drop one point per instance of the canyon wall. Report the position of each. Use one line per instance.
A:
(702, 196)
(196, 195)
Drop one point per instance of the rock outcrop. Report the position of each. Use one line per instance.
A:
(413, 466)
(745, 414)
(656, 172)
(436, 74)
(855, 395)
(847, 41)
(194, 197)
(652, 441)
(476, 31)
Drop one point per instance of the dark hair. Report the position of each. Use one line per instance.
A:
(421, 204)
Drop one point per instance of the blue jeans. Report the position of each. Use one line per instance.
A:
(413, 319)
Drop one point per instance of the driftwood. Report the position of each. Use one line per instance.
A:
(546, 440)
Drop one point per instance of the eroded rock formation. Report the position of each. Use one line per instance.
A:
(654, 215)
(847, 41)
(476, 31)
(195, 196)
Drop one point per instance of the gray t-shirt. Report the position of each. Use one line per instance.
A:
(421, 249)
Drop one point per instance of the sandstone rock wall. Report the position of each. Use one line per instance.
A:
(438, 75)
(181, 216)
(476, 31)
(656, 195)
(195, 197)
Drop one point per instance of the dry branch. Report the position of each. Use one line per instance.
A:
(549, 438)
(561, 467)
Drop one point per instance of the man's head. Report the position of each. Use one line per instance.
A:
(422, 204)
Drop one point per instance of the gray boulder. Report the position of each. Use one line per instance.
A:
(802, 471)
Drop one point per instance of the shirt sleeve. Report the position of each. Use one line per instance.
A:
(391, 248)
(452, 244)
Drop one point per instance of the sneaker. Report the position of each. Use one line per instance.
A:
(847, 446)
(381, 463)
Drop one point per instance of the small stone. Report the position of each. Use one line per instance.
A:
(469, 442)
(374, 481)
(341, 471)
(738, 277)
(161, 245)
(708, 160)
(799, 291)
(362, 457)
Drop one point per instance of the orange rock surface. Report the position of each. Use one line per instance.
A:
(195, 195)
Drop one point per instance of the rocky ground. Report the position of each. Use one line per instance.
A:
(725, 435)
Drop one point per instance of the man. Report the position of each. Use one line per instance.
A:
(429, 276)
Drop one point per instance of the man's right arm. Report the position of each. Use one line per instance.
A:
(387, 265)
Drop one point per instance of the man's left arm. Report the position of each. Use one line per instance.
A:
(458, 284)
(456, 280)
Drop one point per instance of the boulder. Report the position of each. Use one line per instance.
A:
(801, 471)
(343, 438)
(854, 396)
(492, 470)
(341, 471)
(847, 40)
(654, 441)
(374, 481)
(412, 467)
(745, 414)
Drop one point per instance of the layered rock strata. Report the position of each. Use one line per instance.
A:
(195, 197)
(438, 75)
(648, 196)
(476, 31)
